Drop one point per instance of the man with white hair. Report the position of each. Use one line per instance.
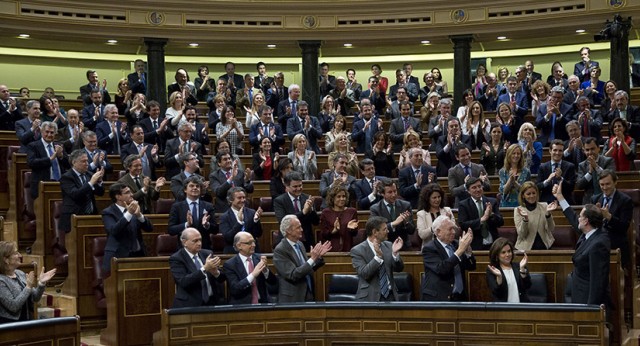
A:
(288, 107)
(112, 133)
(344, 97)
(181, 145)
(294, 267)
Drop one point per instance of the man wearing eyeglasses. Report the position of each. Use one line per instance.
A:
(239, 218)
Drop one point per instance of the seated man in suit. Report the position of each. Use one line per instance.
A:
(140, 184)
(460, 173)
(79, 188)
(375, 260)
(94, 113)
(294, 268)
(239, 218)
(396, 211)
(70, 135)
(337, 176)
(193, 212)
(247, 272)
(190, 167)
(138, 79)
(366, 189)
(446, 144)
(365, 127)
(112, 133)
(414, 177)
(445, 262)
(266, 128)
(46, 159)
(303, 123)
(514, 98)
(297, 203)
(94, 85)
(590, 169)
(184, 86)
(97, 158)
(195, 271)
(148, 152)
(123, 222)
(552, 172)
(28, 129)
(400, 125)
(552, 117)
(180, 145)
(480, 214)
(226, 177)
(10, 111)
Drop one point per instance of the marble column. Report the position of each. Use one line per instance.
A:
(310, 85)
(461, 67)
(157, 83)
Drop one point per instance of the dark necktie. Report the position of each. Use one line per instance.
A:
(55, 167)
(467, 171)
(155, 124)
(194, 211)
(384, 281)
(296, 207)
(301, 262)
(88, 209)
(580, 240)
(457, 285)
(392, 211)
(137, 180)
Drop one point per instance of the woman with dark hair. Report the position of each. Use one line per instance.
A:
(383, 82)
(430, 206)
(492, 152)
(480, 81)
(467, 98)
(18, 291)
(284, 166)
(203, 83)
(51, 112)
(507, 281)
(533, 219)
(339, 223)
(381, 155)
(222, 145)
(264, 165)
(620, 146)
(474, 124)
(230, 129)
(608, 102)
(437, 77)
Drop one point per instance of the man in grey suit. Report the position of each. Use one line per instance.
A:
(226, 177)
(140, 185)
(294, 268)
(458, 174)
(396, 211)
(399, 126)
(190, 166)
(375, 260)
(338, 176)
(589, 169)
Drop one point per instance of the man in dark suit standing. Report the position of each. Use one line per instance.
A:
(375, 260)
(193, 212)
(156, 128)
(184, 86)
(446, 144)
(590, 277)
(552, 117)
(226, 177)
(195, 271)
(352, 83)
(583, 68)
(365, 127)
(70, 135)
(366, 188)
(276, 93)
(515, 99)
(407, 67)
(10, 112)
(123, 221)
(590, 169)
(138, 79)
(181, 145)
(589, 120)
(112, 133)
(262, 80)
(190, 167)
(140, 185)
(247, 272)
(555, 170)
(573, 146)
(326, 81)
(401, 125)
(532, 76)
(148, 152)
(303, 123)
(46, 159)
(397, 212)
(94, 85)
(297, 203)
(412, 91)
(234, 80)
(266, 128)
(239, 218)
(480, 214)
(374, 95)
(445, 262)
(625, 111)
(97, 158)
(295, 269)
(93, 113)
(28, 129)
(414, 177)
(458, 174)
(79, 189)
(337, 176)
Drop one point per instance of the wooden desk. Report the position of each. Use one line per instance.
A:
(61, 331)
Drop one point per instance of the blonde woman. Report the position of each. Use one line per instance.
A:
(343, 146)
(512, 175)
(533, 219)
(304, 161)
(412, 140)
(174, 112)
(253, 117)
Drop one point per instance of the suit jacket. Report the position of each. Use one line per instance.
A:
(346, 103)
(145, 200)
(401, 231)
(103, 130)
(85, 93)
(274, 98)
(152, 136)
(439, 271)
(456, 177)
(327, 178)
(7, 118)
(500, 292)
(238, 80)
(105, 164)
(590, 184)
(378, 101)
(593, 125)
(238, 284)
(397, 131)
(132, 149)
(24, 133)
(468, 218)
(538, 224)
(356, 88)
(412, 91)
(178, 218)
(292, 277)
(568, 181)
(522, 104)
(41, 166)
(330, 85)
(136, 84)
(414, 80)
(574, 156)
(177, 187)
(276, 141)
(582, 71)
(368, 270)
(76, 196)
(282, 206)
(65, 137)
(190, 281)
(393, 111)
(621, 209)
(220, 186)
(172, 148)
(559, 130)
(230, 226)
(294, 127)
(448, 160)
(362, 189)
(123, 237)
(87, 116)
(364, 139)
(407, 183)
(191, 99)
(263, 83)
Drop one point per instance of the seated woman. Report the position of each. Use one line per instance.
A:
(342, 146)
(608, 101)
(277, 187)
(230, 129)
(18, 291)
(252, 113)
(533, 219)
(381, 155)
(512, 176)
(492, 153)
(338, 223)
(123, 96)
(264, 164)
(51, 112)
(412, 140)
(430, 86)
(507, 281)
(327, 115)
(539, 95)
(474, 124)
(339, 127)
(620, 146)
(531, 149)
(430, 206)
(510, 124)
(304, 161)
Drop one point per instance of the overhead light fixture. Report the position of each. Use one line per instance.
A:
(271, 46)
(194, 45)
(425, 42)
(112, 41)
(24, 36)
(348, 45)
(502, 38)
(581, 31)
